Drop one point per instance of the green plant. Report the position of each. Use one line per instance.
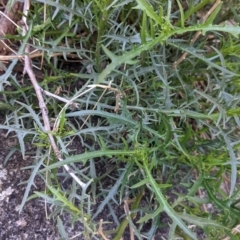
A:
(161, 122)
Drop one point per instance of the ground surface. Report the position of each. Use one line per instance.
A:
(31, 223)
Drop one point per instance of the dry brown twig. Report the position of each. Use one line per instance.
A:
(100, 230)
(128, 215)
(197, 34)
(35, 54)
(234, 231)
(8, 21)
(28, 69)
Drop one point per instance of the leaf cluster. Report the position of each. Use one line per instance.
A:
(165, 136)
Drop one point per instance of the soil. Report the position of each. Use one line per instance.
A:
(31, 223)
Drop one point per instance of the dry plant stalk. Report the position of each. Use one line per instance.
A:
(128, 214)
(100, 230)
(28, 69)
(8, 23)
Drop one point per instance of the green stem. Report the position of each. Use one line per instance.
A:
(162, 201)
(124, 223)
(101, 24)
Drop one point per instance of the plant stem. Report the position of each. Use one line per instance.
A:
(101, 23)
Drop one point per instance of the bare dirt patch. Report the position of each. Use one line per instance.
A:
(31, 223)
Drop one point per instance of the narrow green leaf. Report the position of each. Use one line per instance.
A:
(149, 216)
(201, 222)
(212, 17)
(113, 57)
(144, 29)
(195, 187)
(85, 157)
(121, 4)
(60, 197)
(61, 228)
(118, 118)
(121, 228)
(146, 7)
(234, 163)
(139, 184)
(30, 181)
(181, 13)
(206, 60)
(193, 9)
(167, 208)
(111, 194)
(223, 205)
